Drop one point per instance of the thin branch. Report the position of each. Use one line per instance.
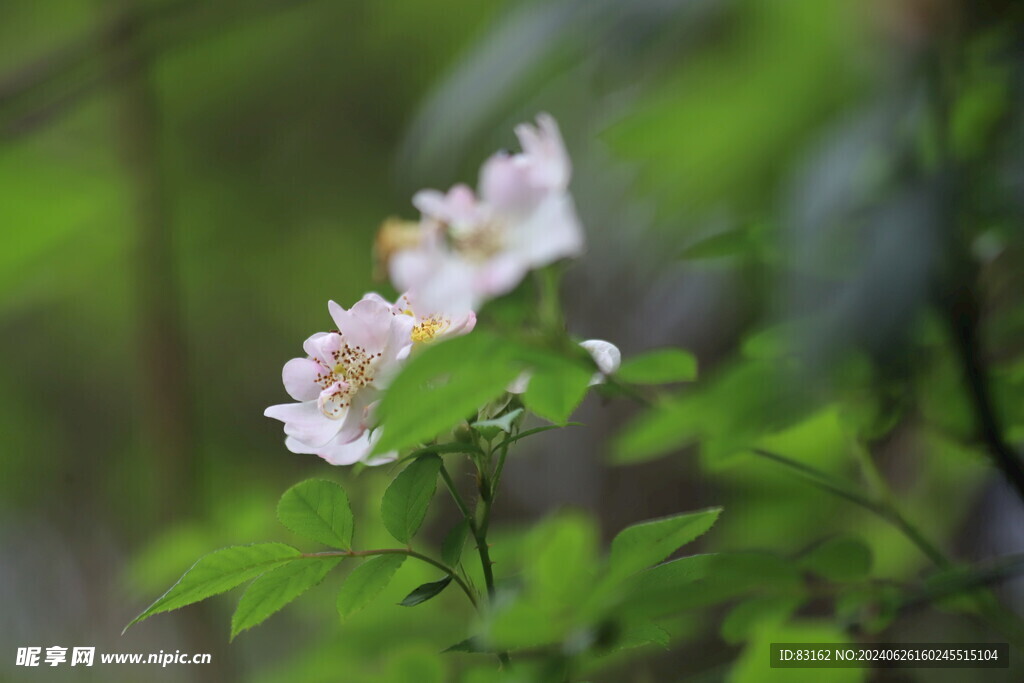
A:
(823, 481)
(54, 84)
(964, 326)
(456, 496)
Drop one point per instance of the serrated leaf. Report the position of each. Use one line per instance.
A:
(441, 385)
(642, 545)
(425, 592)
(454, 542)
(491, 428)
(661, 366)
(366, 581)
(406, 500)
(218, 572)
(318, 510)
(838, 559)
(556, 388)
(274, 589)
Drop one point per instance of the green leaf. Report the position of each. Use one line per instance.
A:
(752, 666)
(441, 386)
(741, 405)
(642, 633)
(454, 542)
(741, 623)
(442, 449)
(425, 592)
(406, 500)
(642, 545)
(318, 510)
(557, 387)
(669, 425)
(276, 588)
(218, 572)
(366, 581)
(659, 367)
(839, 559)
(702, 580)
(472, 645)
(491, 428)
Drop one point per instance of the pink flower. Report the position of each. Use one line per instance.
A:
(341, 377)
(472, 249)
(431, 327)
(346, 453)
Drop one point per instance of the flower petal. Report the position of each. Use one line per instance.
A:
(441, 282)
(551, 232)
(507, 185)
(499, 275)
(325, 348)
(520, 384)
(300, 377)
(606, 355)
(345, 451)
(305, 422)
(549, 161)
(458, 206)
(366, 324)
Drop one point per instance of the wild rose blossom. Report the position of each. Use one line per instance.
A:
(346, 453)
(475, 248)
(338, 383)
(340, 379)
(428, 327)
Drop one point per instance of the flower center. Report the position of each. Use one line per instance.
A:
(477, 242)
(352, 369)
(429, 328)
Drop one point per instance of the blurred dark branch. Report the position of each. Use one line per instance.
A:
(162, 384)
(882, 508)
(964, 326)
(887, 510)
(958, 296)
(54, 84)
(979, 576)
(164, 404)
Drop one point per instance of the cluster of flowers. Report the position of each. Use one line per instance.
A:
(467, 248)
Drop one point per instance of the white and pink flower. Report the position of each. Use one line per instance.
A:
(344, 372)
(340, 378)
(428, 327)
(472, 248)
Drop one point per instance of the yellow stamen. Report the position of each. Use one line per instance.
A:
(427, 330)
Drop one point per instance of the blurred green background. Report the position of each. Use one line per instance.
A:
(821, 199)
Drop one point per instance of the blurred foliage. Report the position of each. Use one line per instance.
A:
(839, 182)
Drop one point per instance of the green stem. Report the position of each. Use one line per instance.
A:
(479, 533)
(502, 454)
(402, 551)
(456, 496)
(548, 305)
(884, 505)
(891, 509)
